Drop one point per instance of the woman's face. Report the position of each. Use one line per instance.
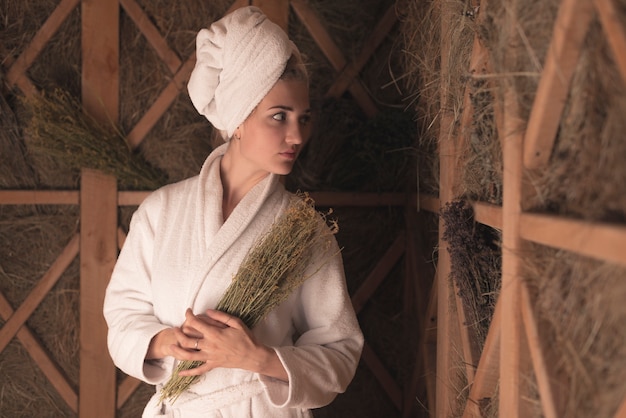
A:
(275, 132)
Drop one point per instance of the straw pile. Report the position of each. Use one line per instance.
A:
(576, 298)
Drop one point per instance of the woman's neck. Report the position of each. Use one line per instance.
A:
(236, 182)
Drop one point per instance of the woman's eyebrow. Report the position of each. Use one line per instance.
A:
(288, 108)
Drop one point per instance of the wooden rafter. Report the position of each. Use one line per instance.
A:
(540, 366)
(39, 292)
(615, 33)
(571, 26)
(152, 34)
(173, 88)
(487, 373)
(325, 42)
(351, 71)
(17, 72)
(48, 367)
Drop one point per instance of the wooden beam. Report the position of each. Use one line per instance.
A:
(161, 104)
(430, 349)
(154, 38)
(488, 214)
(128, 386)
(38, 197)
(48, 367)
(614, 31)
(378, 274)
(540, 365)
(39, 41)
(388, 384)
(39, 292)
(571, 26)
(446, 370)
(592, 239)
(98, 253)
(415, 311)
(100, 59)
(351, 71)
(511, 355)
(332, 52)
(487, 373)
(276, 10)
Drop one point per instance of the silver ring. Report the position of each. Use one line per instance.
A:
(197, 340)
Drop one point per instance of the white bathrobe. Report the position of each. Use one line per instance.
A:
(178, 254)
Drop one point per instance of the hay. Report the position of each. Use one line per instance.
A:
(30, 239)
(61, 135)
(580, 303)
(586, 175)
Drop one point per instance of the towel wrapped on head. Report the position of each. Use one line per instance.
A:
(238, 61)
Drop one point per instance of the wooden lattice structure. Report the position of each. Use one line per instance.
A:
(512, 344)
(100, 237)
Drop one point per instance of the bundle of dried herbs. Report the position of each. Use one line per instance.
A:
(279, 262)
(59, 129)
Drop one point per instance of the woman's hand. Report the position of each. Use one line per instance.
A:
(222, 340)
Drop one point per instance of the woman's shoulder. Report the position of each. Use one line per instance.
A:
(170, 193)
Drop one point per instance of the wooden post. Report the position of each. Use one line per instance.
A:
(100, 66)
(276, 10)
(511, 347)
(98, 253)
(100, 98)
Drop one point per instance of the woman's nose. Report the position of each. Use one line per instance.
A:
(295, 134)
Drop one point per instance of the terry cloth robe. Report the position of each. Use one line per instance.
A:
(179, 253)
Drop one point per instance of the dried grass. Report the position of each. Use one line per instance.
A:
(61, 135)
(580, 304)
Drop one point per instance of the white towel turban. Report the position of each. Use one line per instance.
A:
(238, 61)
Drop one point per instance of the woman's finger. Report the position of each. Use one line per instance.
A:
(224, 318)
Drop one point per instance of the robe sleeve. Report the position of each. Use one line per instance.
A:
(323, 360)
(128, 309)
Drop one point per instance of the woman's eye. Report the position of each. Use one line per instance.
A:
(280, 116)
(304, 120)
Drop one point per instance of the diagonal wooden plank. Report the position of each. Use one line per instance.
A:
(540, 365)
(383, 376)
(48, 29)
(486, 378)
(350, 72)
(161, 104)
(378, 274)
(323, 39)
(125, 390)
(21, 81)
(48, 367)
(276, 10)
(154, 38)
(34, 298)
(570, 28)
(615, 32)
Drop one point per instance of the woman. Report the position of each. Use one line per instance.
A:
(187, 240)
